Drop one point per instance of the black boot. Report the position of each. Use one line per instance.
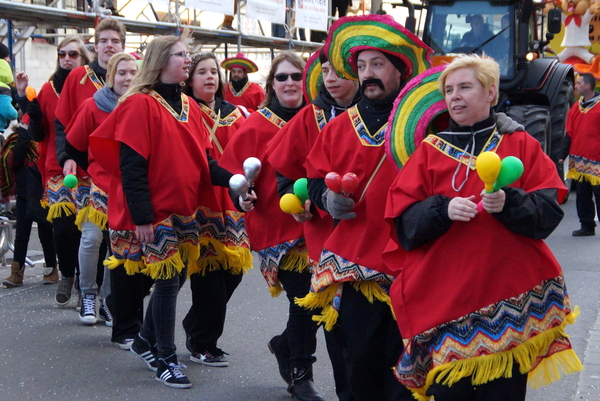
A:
(302, 387)
(280, 347)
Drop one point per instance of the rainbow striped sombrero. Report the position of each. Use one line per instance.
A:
(312, 77)
(419, 110)
(239, 61)
(349, 35)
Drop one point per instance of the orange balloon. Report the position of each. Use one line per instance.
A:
(30, 93)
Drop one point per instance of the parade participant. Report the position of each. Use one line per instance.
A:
(510, 328)
(581, 145)
(347, 283)
(92, 217)
(224, 247)
(157, 183)
(330, 95)
(275, 235)
(41, 111)
(239, 91)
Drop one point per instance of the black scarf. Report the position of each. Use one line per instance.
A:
(375, 113)
(284, 112)
(461, 136)
(100, 72)
(238, 85)
(220, 104)
(59, 78)
(171, 93)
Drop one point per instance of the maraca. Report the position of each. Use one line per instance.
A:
(488, 168)
(70, 181)
(239, 185)
(30, 93)
(290, 203)
(349, 183)
(301, 189)
(334, 182)
(511, 169)
(252, 167)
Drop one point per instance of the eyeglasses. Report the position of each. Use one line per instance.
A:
(71, 53)
(282, 77)
(181, 54)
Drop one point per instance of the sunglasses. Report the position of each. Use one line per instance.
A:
(282, 77)
(71, 53)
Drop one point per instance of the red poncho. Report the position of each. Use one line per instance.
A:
(251, 96)
(582, 126)
(80, 85)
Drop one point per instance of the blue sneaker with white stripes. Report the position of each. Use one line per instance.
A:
(143, 350)
(169, 373)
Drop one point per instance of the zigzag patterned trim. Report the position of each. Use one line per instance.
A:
(56, 192)
(585, 166)
(185, 106)
(271, 259)
(82, 192)
(584, 110)
(363, 133)
(272, 117)
(226, 121)
(459, 154)
(241, 92)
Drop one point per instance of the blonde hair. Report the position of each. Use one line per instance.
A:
(156, 58)
(84, 54)
(486, 69)
(111, 67)
(293, 59)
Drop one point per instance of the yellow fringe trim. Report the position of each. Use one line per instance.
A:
(276, 290)
(112, 262)
(60, 209)
(486, 368)
(44, 203)
(165, 269)
(189, 252)
(82, 216)
(324, 299)
(294, 261)
(98, 218)
(576, 175)
(233, 258)
(131, 267)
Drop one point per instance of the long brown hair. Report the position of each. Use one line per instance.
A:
(196, 59)
(289, 56)
(84, 54)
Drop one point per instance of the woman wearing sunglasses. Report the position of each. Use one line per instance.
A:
(71, 54)
(224, 247)
(276, 236)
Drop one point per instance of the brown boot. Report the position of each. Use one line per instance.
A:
(16, 276)
(50, 278)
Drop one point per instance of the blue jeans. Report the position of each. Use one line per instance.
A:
(159, 323)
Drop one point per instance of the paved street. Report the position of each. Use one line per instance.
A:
(47, 354)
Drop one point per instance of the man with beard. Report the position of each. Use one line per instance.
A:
(348, 283)
(240, 91)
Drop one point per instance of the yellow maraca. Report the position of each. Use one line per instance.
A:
(290, 203)
(488, 167)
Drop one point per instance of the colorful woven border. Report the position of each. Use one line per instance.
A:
(239, 61)
(312, 77)
(350, 35)
(415, 108)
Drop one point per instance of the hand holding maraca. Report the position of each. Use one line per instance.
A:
(339, 203)
(496, 173)
(297, 204)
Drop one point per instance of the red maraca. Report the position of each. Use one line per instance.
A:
(349, 183)
(334, 182)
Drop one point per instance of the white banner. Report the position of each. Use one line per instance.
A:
(217, 6)
(266, 10)
(312, 14)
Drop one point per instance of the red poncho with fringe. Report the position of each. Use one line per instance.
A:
(251, 96)
(287, 153)
(584, 153)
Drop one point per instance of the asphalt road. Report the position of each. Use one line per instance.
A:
(47, 354)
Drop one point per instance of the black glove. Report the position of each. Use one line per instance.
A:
(34, 110)
(338, 206)
(507, 125)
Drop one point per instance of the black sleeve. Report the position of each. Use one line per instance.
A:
(61, 139)
(423, 221)
(20, 149)
(284, 185)
(534, 215)
(236, 200)
(134, 174)
(316, 189)
(81, 158)
(36, 127)
(218, 175)
(564, 148)
(23, 102)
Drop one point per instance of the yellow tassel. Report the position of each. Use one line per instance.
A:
(83, 215)
(294, 261)
(98, 218)
(490, 367)
(327, 318)
(44, 203)
(240, 261)
(113, 263)
(60, 209)
(165, 269)
(189, 252)
(132, 267)
(578, 176)
(276, 290)
(322, 299)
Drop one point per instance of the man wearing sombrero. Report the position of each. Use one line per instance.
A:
(349, 283)
(240, 91)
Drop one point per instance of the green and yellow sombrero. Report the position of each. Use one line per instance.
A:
(350, 35)
(419, 110)
(239, 61)
(312, 77)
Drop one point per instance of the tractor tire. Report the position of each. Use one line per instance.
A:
(558, 114)
(537, 122)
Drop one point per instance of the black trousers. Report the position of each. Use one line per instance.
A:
(23, 232)
(503, 389)
(205, 320)
(126, 302)
(66, 243)
(371, 345)
(586, 210)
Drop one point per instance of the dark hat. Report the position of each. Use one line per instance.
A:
(4, 51)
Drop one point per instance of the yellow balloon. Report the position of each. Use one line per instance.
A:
(290, 203)
(488, 167)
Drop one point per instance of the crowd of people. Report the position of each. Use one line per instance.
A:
(387, 267)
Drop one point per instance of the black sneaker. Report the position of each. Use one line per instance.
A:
(124, 343)
(214, 357)
(63, 291)
(169, 373)
(104, 314)
(584, 232)
(141, 348)
(87, 309)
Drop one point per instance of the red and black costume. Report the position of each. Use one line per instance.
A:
(244, 93)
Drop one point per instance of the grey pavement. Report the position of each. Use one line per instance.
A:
(47, 354)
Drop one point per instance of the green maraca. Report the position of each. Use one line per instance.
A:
(511, 169)
(70, 181)
(301, 189)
